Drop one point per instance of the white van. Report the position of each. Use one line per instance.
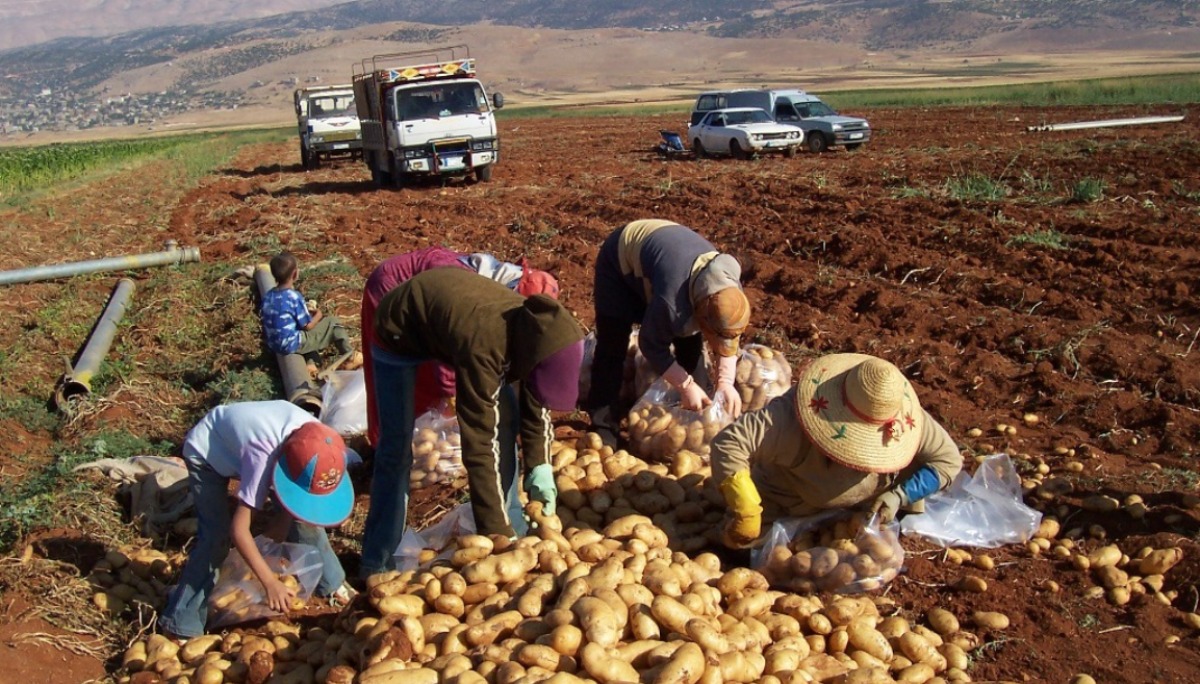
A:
(823, 127)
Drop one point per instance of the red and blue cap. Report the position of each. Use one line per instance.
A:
(310, 476)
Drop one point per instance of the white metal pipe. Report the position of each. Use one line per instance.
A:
(78, 380)
(1107, 123)
(171, 256)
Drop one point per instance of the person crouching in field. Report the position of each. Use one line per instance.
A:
(851, 432)
(275, 450)
(435, 380)
(492, 337)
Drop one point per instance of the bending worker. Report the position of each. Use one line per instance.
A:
(491, 336)
(850, 432)
(435, 380)
(683, 292)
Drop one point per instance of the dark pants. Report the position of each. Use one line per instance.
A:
(395, 382)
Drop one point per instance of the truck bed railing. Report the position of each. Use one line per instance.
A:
(451, 61)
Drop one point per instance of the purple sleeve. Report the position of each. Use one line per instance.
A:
(445, 379)
(255, 476)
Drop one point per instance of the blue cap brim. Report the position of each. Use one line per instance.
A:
(328, 510)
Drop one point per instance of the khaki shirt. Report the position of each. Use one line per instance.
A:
(795, 479)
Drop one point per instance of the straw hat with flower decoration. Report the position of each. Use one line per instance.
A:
(860, 411)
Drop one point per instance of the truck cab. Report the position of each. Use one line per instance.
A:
(327, 123)
(425, 114)
(823, 127)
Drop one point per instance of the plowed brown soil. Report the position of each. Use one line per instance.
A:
(878, 251)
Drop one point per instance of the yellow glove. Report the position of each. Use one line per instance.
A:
(745, 506)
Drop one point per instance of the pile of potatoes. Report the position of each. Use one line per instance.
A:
(576, 603)
(762, 375)
(127, 577)
(658, 430)
(845, 557)
(437, 452)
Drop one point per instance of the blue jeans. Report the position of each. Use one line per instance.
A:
(395, 383)
(187, 607)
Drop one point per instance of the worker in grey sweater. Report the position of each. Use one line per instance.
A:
(683, 293)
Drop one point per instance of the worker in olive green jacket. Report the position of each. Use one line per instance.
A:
(491, 336)
(850, 432)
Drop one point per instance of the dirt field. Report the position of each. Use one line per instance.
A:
(1035, 300)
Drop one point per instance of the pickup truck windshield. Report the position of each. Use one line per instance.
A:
(806, 109)
(439, 100)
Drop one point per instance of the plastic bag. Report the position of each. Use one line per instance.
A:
(852, 556)
(762, 375)
(437, 538)
(238, 595)
(344, 399)
(985, 510)
(585, 368)
(437, 448)
(659, 428)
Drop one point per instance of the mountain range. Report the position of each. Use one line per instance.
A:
(234, 53)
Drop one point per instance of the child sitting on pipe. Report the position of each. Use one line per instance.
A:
(290, 327)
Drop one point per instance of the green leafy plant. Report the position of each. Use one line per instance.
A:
(1042, 238)
(976, 186)
(1087, 190)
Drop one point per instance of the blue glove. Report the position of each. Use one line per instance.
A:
(539, 485)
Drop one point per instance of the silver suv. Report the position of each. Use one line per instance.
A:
(823, 127)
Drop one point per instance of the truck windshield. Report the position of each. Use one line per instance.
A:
(331, 105)
(439, 100)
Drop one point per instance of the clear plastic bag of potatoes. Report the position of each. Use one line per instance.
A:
(659, 427)
(437, 448)
(585, 367)
(238, 596)
(762, 375)
(834, 552)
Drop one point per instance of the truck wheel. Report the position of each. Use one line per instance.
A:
(483, 174)
(817, 142)
(304, 157)
(698, 149)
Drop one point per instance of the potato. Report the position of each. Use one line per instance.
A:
(990, 620)
(605, 669)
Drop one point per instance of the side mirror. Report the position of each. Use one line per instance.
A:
(498, 100)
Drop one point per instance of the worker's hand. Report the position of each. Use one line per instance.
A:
(742, 531)
(887, 505)
(279, 597)
(539, 485)
(745, 509)
(730, 400)
(692, 398)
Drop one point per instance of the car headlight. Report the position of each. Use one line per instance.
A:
(837, 127)
(316, 138)
(358, 135)
(866, 125)
(793, 135)
(413, 154)
(756, 136)
(481, 145)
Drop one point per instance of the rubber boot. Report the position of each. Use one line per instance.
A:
(604, 425)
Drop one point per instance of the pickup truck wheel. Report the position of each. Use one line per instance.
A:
(483, 174)
(817, 142)
(736, 151)
(698, 149)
